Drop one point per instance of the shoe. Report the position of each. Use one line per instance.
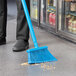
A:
(21, 45)
(2, 41)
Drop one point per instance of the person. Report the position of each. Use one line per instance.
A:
(22, 32)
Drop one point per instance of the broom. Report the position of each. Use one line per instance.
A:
(37, 54)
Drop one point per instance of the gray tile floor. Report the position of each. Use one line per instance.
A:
(10, 62)
(64, 51)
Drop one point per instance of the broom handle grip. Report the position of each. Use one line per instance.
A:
(29, 23)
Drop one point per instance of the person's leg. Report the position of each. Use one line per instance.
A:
(3, 21)
(22, 27)
(22, 34)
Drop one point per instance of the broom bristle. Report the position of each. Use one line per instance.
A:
(40, 56)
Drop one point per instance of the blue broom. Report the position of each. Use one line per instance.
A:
(37, 54)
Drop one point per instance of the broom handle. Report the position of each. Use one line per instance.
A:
(29, 23)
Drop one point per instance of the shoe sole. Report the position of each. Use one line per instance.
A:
(19, 50)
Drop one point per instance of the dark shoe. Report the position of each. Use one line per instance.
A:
(20, 45)
(2, 41)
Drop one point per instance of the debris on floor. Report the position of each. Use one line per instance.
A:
(48, 66)
(44, 66)
(25, 64)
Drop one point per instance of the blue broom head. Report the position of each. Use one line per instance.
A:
(40, 55)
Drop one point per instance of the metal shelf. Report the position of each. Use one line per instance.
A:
(50, 11)
(71, 1)
(52, 7)
(74, 14)
(71, 13)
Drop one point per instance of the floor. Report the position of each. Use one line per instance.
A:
(64, 51)
(14, 63)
